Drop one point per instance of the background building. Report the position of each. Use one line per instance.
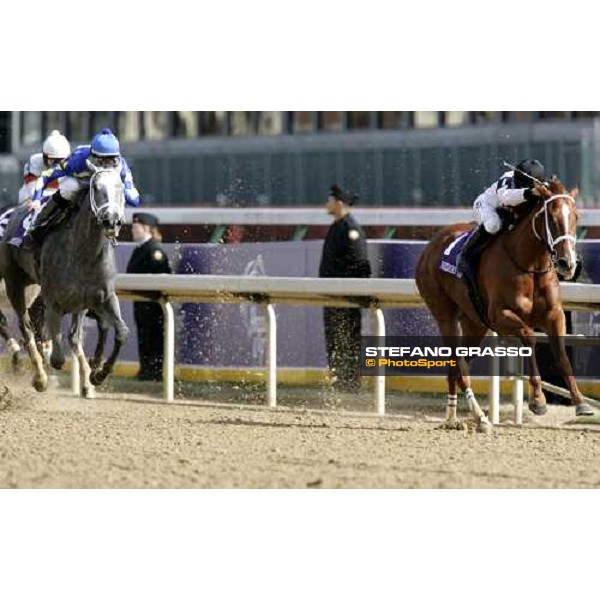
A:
(280, 158)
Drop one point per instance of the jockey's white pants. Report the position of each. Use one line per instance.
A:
(487, 215)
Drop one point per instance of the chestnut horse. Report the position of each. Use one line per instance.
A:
(518, 284)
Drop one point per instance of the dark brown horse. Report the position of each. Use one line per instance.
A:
(518, 283)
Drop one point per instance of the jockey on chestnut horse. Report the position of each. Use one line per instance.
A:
(514, 287)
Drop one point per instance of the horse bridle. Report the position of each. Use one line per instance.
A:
(550, 242)
(95, 208)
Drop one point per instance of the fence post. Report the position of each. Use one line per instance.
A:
(271, 355)
(517, 398)
(379, 387)
(75, 379)
(494, 393)
(169, 351)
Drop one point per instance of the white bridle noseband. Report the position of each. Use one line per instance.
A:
(551, 241)
(94, 206)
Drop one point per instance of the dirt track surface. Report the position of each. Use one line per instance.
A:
(59, 441)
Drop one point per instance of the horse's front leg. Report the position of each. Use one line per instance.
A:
(110, 315)
(52, 331)
(76, 341)
(537, 402)
(96, 362)
(556, 330)
(507, 322)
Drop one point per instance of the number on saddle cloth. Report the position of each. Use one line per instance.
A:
(451, 255)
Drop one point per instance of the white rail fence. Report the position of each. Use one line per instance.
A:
(380, 216)
(374, 294)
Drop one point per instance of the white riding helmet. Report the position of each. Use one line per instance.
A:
(56, 146)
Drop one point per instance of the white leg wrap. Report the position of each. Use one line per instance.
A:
(47, 349)
(12, 346)
(474, 405)
(451, 407)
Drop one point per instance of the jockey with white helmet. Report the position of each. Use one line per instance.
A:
(55, 149)
(73, 175)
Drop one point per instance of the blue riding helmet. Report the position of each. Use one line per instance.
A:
(105, 149)
(105, 143)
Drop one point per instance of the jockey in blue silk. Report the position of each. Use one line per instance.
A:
(73, 175)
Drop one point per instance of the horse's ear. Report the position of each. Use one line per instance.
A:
(554, 179)
(575, 193)
(91, 166)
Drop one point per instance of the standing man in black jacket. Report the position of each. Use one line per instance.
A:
(148, 257)
(344, 255)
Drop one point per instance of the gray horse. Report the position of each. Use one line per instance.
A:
(36, 312)
(75, 270)
(12, 346)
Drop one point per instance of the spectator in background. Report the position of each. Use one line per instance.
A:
(148, 257)
(344, 255)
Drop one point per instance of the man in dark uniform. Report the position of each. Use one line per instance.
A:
(344, 255)
(148, 257)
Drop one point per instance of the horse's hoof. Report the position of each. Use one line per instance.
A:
(584, 410)
(57, 364)
(88, 392)
(538, 409)
(40, 385)
(485, 427)
(454, 425)
(98, 377)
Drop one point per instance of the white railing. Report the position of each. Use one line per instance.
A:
(374, 294)
(380, 216)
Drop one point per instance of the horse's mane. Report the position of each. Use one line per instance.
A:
(77, 203)
(81, 197)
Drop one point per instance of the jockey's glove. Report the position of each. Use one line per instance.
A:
(531, 195)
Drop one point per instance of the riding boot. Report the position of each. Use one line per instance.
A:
(470, 253)
(44, 220)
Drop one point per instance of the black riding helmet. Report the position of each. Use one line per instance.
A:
(347, 197)
(531, 167)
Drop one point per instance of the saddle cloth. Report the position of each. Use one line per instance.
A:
(4, 218)
(451, 255)
(17, 234)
